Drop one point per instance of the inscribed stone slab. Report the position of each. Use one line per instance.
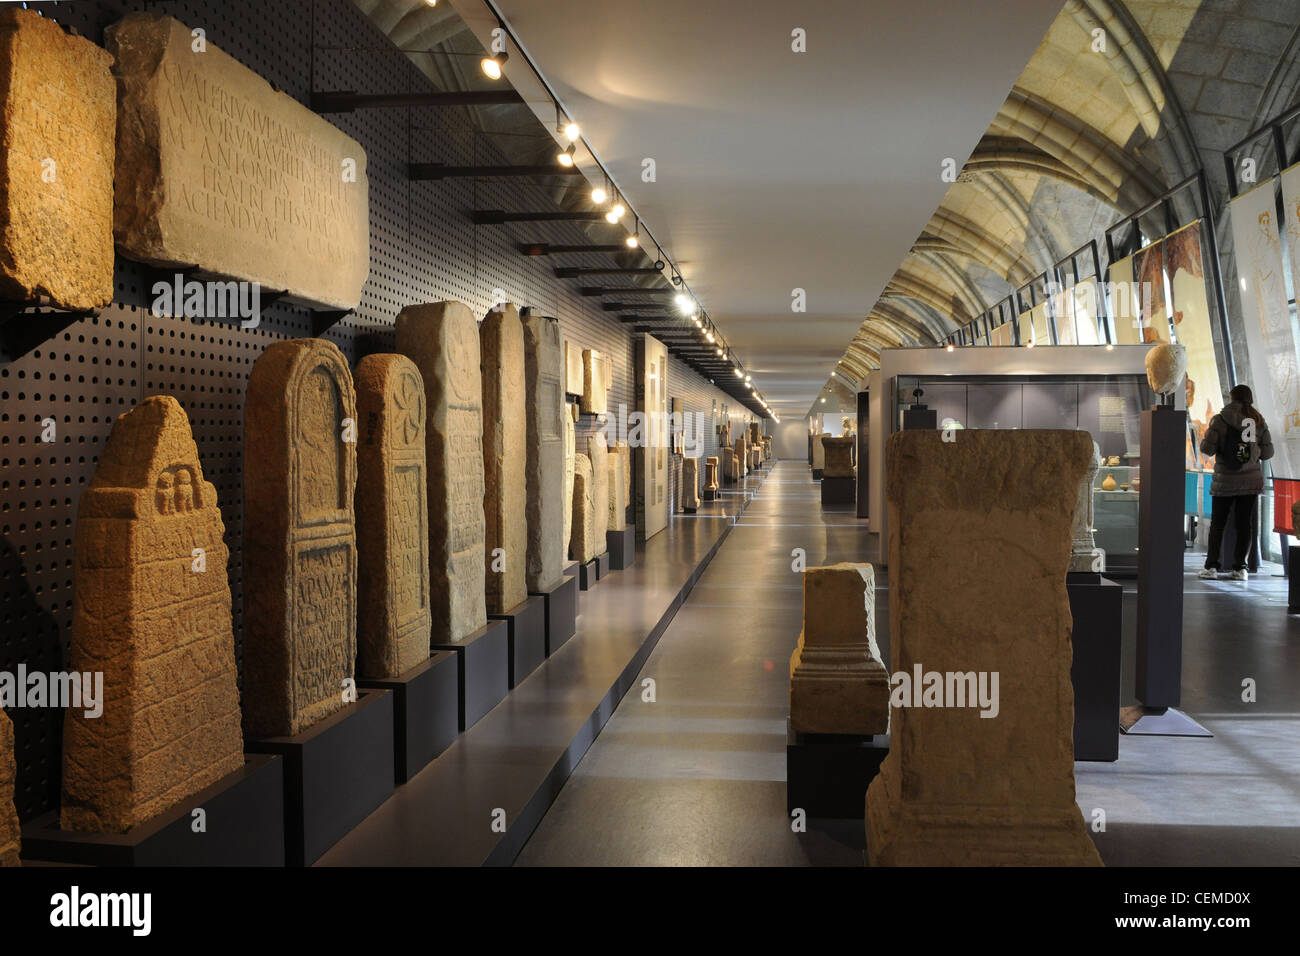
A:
(505, 451)
(442, 340)
(711, 473)
(570, 450)
(300, 547)
(572, 368)
(594, 383)
(216, 169)
(598, 453)
(59, 106)
(618, 485)
(393, 618)
(690, 484)
(956, 787)
(545, 464)
(582, 545)
(838, 457)
(152, 613)
(10, 830)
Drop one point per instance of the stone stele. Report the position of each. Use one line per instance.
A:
(505, 452)
(839, 457)
(819, 452)
(442, 340)
(1166, 368)
(572, 368)
(742, 457)
(152, 612)
(10, 830)
(544, 461)
(838, 683)
(690, 484)
(711, 473)
(582, 545)
(392, 508)
(598, 454)
(59, 105)
(958, 788)
(217, 170)
(594, 383)
(618, 485)
(570, 450)
(1083, 546)
(300, 547)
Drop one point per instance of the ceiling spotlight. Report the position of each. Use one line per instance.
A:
(572, 130)
(1110, 347)
(1029, 344)
(949, 346)
(683, 303)
(719, 353)
(566, 157)
(823, 401)
(598, 195)
(631, 242)
(610, 217)
(747, 378)
(618, 211)
(432, 3)
(492, 65)
(739, 373)
(708, 336)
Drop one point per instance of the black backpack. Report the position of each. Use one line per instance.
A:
(1235, 451)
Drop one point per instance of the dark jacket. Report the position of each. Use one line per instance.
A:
(1249, 479)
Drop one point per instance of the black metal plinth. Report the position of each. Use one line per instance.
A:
(817, 474)
(826, 775)
(1293, 580)
(621, 548)
(526, 632)
(839, 490)
(561, 613)
(1160, 559)
(241, 824)
(709, 494)
(1096, 605)
(482, 670)
(588, 574)
(335, 773)
(426, 712)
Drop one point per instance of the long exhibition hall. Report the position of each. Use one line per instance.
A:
(572, 434)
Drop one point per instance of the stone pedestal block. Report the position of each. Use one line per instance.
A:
(690, 488)
(838, 457)
(597, 453)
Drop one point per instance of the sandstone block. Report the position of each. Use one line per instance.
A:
(442, 340)
(544, 458)
(570, 451)
(572, 368)
(690, 484)
(958, 787)
(393, 618)
(711, 473)
(595, 382)
(59, 107)
(839, 457)
(505, 451)
(597, 452)
(619, 484)
(152, 613)
(218, 170)
(300, 550)
(583, 544)
(10, 830)
(819, 451)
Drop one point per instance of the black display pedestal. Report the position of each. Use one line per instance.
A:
(826, 775)
(1293, 582)
(689, 511)
(426, 712)
(1097, 606)
(243, 819)
(335, 773)
(561, 613)
(817, 474)
(588, 574)
(622, 548)
(482, 670)
(709, 494)
(526, 632)
(839, 491)
(602, 561)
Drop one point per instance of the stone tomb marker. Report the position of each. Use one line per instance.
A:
(595, 383)
(59, 107)
(442, 340)
(958, 788)
(711, 473)
(838, 457)
(598, 453)
(544, 460)
(393, 618)
(10, 830)
(152, 612)
(690, 484)
(505, 452)
(300, 549)
(618, 486)
(583, 545)
(570, 450)
(216, 169)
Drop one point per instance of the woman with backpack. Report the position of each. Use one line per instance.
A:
(1238, 439)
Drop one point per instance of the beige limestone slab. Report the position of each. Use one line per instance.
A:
(59, 104)
(545, 452)
(582, 545)
(598, 453)
(619, 456)
(690, 490)
(570, 450)
(152, 613)
(711, 473)
(218, 170)
(572, 368)
(505, 452)
(594, 383)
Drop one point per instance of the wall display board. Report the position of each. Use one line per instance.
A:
(1076, 311)
(1279, 341)
(652, 453)
(1136, 296)
(1004, 334)
(1035, 326)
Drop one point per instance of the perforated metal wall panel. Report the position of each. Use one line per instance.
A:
(424, 248)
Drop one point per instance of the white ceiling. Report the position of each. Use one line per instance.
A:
(779, 170)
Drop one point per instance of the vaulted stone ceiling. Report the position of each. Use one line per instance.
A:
(1085, 137)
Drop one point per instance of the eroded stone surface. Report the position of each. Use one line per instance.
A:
(1083, 545)
(392, 511)
(742, 457)
(838, 683)
(152, 613)
(597, 452)
(545, 458)
(690, 484)
(572, 368)
(582, 545)
(505, 451)
(442, 340)
(711, 473)
(839, 457)
(958, 788)
(1166, 367)
(300, 551)
(570, 450)
(619, 456)
(595, 382)
(819, 451)
(10, 830)
(216, 169)
(58, 103)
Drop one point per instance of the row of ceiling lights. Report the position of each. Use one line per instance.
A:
(608, 196)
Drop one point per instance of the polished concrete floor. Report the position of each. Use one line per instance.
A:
(696, 775)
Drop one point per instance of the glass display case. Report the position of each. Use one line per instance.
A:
(1109, 407)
